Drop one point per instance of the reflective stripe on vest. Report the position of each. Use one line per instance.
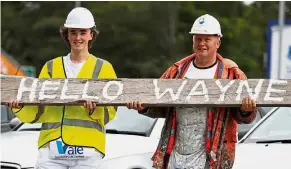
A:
(97, 68)
(50, 68)
(95, 75)
(106, 115)
(73, 122)
(47, 126)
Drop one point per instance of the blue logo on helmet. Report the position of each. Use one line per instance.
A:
(289, 53)
(201, 20)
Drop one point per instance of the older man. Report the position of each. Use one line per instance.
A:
(200, 138)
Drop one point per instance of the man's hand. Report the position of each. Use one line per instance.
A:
(89, 105)
(13, 104)
(248, 105)
(135, 105)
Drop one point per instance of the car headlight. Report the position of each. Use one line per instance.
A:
(136, 161)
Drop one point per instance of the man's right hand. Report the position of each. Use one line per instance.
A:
(13, 104)
(135, 105)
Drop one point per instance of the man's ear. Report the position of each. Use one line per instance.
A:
(91, 35)
(218, 43)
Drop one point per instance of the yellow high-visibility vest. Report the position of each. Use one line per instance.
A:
(74, 124)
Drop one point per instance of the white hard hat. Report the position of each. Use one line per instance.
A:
(80, 18)
(206, 24)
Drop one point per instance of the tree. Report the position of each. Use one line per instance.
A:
(140, 39)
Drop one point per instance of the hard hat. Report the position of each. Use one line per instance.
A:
(206, 24)
(80, 18)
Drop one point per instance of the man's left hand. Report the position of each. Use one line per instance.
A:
(248, 105)
(89, 105)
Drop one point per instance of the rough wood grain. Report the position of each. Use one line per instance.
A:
(210, 93)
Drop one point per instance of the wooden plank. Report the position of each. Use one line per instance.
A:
(152, 92)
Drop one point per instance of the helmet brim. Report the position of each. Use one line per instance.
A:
(78, 26)
(204, 33)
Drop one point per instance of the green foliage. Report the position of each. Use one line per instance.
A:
(140, 39)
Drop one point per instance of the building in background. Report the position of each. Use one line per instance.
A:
(273, 51)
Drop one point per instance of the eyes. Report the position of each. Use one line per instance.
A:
(75, 33)
(81, 32)
(202, 39)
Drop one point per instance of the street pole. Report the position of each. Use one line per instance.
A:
(281, 25)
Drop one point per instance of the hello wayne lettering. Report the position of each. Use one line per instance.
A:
(198, 89)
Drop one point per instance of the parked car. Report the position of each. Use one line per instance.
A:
(244, 128)
(268, 144)
(6, 116)
(130, 142)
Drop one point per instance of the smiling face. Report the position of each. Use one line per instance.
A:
(205, 45)
(79, 38)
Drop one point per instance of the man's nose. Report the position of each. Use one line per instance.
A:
(78, 36)
(201, 42)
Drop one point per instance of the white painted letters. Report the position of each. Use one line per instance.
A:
(64, 90)
(174, 96)
(85, 95)
(178, 92)
(270, 89)
(22, 88)
(249, 90)
(204, 92)
(223, 89)
(47, 85)
(119, 92)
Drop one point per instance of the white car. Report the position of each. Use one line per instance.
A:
(268, 144)
(130, 142)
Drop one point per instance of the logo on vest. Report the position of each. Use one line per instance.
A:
(69, 151)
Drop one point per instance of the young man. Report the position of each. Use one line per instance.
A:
(72, 136)
(200, 138)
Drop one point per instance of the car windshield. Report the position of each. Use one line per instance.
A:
(125, 122)
(275, 127)
(130, 121)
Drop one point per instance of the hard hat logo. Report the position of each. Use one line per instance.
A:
(201, 21)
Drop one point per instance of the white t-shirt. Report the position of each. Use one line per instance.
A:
(189, 150)
(58, 150)
(195, 72)
(72, 69)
